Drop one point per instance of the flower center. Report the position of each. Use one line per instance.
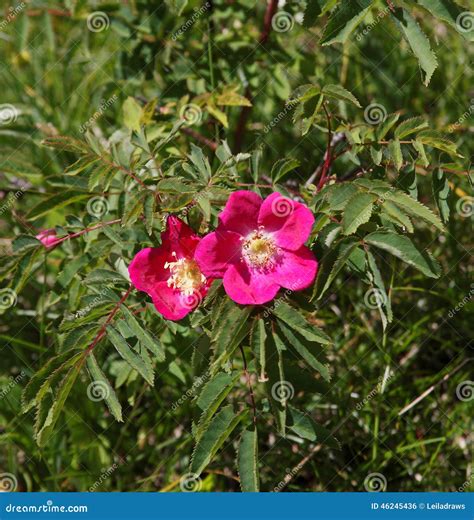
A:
(185, 275)
(259, 249)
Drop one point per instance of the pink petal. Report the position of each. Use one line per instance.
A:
(179, 237)
(170, 303)
(249, 287)
(289, 221)
(295, 270)
(241, 212)
(216, 251)
(147, 269)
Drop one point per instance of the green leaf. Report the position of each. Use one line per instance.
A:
(55, 202)
(338, 92)
(296, 321)
(132, 114)
(357, 212)
(438, 141)
(414, 208)
(258, 342)
(126, 352)
(24, 242)
(44, 432)
(343, 21)
(214, 437)
(247, 458)
(418, 145)
(403, 248)
(303, 350)
(282, 167)
(384, 128)
(395, 151)
(177, 6)
(418, 41)
(340, 194)
(410, 126)
(144, 337)
(445, 10)
(396, 215)
(104, 389)
(304, 426)
(441, 193)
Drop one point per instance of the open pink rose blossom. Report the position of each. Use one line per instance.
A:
(169, 273)
(258, 247)
(48, 238)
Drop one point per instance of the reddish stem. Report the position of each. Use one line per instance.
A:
(328, 155)
(86, 230)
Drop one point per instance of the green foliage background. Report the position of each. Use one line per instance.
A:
(131, 85)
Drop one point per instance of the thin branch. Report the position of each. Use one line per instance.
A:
(87, 230)
(328, 156)
(199, 138)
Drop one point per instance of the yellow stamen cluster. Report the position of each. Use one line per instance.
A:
(259, 249)
(185, 275)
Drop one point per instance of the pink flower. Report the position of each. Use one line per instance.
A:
(48, 238)
(258, 247)
(169, 273)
